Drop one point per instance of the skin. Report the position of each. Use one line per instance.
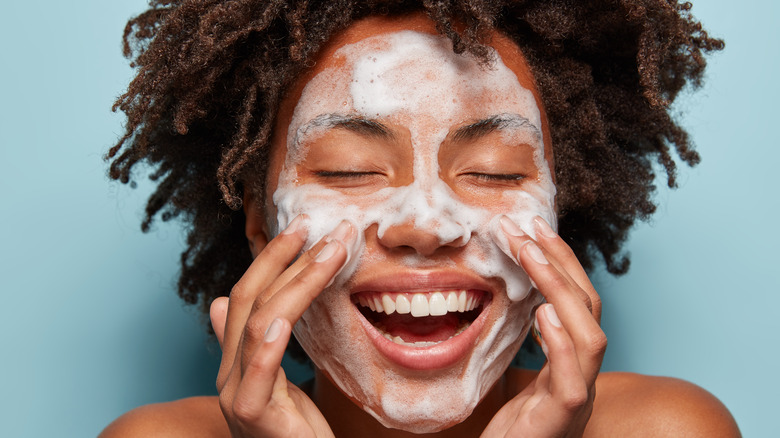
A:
(255, 323)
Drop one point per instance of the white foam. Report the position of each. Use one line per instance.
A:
(415, 80)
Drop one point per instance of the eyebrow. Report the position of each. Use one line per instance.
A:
(356, 124)
(366, 127)
(494, 123)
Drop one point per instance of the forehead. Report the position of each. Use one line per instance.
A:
(390, 37)
(413, 79)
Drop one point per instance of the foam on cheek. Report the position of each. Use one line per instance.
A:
(416, 80)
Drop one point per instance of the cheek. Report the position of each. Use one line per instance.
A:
(489, 253)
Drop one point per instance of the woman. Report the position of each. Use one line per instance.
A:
(402, 169)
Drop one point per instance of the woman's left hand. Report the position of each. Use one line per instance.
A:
(558, 403)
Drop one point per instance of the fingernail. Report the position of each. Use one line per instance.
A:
(294, 226)
(537, 334)
(536, 254)
(273, 331)
(543, 228)
(510, 227)
(327, 252)
(552, 315)
(341, 232)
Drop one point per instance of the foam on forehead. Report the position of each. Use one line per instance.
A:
(413, 73)
(419, 72)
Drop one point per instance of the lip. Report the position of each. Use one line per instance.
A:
(443, 354)
(422, 281)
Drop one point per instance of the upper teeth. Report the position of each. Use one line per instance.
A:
(420, 304)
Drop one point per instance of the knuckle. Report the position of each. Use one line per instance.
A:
(261, 301)
(225, 403)
(255, 366)
(596, 343)
(222, 378)
(245, 411)
(575, 399)
(595, 302)
(254, 331)
(586, 299)
(239, 293)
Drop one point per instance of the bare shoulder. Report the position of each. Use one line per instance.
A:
(189, 417)
(634, 405)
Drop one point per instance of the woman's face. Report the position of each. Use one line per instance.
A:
(422, 150)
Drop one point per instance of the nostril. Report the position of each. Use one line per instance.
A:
(461, 240)
(426, 242)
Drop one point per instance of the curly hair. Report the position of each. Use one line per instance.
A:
(211, 74)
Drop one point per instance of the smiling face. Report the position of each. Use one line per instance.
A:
(422, 150)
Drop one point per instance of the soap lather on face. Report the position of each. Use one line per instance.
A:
(445, 147)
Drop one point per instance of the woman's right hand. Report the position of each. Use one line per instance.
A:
(253, 326)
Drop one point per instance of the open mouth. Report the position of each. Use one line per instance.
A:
(421, 319)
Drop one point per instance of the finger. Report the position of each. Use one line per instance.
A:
(572, 394)
(566, 380)
(250, 333)
(557, 394)
(517, 238)
(291, 300)
(345, 233)
(589, 340)
(550, 241)
(218, 315)
(560, 289)
(265, 268)
(259, 379)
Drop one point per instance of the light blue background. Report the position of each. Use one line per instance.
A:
(91, 326)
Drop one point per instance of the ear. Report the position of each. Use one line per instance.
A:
(255, 228)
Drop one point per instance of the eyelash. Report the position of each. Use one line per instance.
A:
(343, 174)
(497, 177)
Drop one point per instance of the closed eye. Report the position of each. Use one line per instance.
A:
(493, 181)
(497, 176)
(344, 174)
(361, 180)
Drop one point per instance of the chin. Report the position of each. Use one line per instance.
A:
(429, 412)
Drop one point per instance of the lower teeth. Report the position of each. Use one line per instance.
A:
(397, 339)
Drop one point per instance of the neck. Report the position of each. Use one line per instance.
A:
(347, 419)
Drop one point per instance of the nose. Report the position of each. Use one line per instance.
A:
(423, 241)
(424, 218)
